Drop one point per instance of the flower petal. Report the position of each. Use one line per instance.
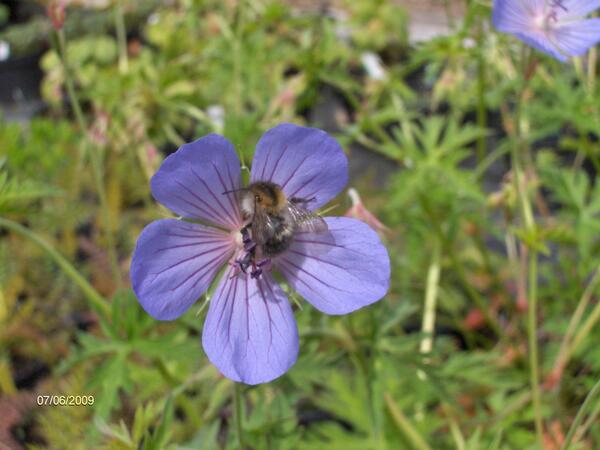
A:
(512, 16)
(577, 38)
(174, 263)
(338, 272)
(191, 182)
(305, 162)
(250, 333)
(542, 43)
(577, 9)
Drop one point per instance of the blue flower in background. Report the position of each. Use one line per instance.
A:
(250, 333)
(556, 27)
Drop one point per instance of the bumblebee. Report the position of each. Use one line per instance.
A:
(274, 219)
(271, 223)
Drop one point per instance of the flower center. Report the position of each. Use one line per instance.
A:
(549, 19)
(249, 261)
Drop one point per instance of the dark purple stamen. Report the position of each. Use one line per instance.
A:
(245, 262)
(257, 272)
(249, 258)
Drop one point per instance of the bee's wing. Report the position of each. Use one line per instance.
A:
(263, 226)
(305, 220)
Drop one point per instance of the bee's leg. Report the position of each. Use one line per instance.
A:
(257, 268)
(242, 264)
(249, 244)
(302, 201)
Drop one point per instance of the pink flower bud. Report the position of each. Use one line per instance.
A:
(56, 12)
(358, 211)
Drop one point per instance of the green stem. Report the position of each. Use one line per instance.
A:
(236, 54)
(579, 417)
(527, 216)
(237, 399)
(75, 105)
(529, 223)
(566, 346)
(94, 157)
(481, 105)
(458, 268)
(429, 310)
(369, 363)
(591, 420)
(96, 301)
(407, 428)
(585, 330)
(533, 344)
(121, 37)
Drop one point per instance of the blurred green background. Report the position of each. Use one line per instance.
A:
(480, 157)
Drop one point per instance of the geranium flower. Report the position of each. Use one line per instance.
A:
(555, 27)
(250, 333)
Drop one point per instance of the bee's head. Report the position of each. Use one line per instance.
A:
(264, 195)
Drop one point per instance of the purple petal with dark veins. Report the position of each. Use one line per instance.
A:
(541, 42)
(577, 38)
(577, 9)
(174, 263)
(340, 271)
(567, 34)
(192, 182)
(511, 16)
(306, 162)
(250, 333)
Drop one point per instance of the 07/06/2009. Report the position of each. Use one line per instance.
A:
(65, 400)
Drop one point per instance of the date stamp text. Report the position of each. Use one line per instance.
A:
(65, 400)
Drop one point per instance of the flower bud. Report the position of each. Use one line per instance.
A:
(358, 211)
(56, 13)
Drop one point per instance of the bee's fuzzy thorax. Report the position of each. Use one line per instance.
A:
(262, 194)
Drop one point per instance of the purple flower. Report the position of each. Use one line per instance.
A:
(555, 27)
(250, 333)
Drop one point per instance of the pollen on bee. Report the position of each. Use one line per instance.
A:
(237, 238)
(247, 205)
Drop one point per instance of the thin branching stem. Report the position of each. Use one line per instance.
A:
(532, 265)
(95, 159)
